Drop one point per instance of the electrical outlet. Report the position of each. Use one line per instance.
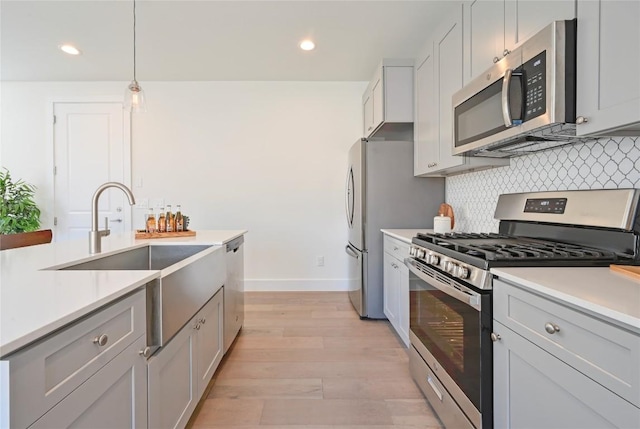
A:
(320, 261)
(158, 203)
(142, 203)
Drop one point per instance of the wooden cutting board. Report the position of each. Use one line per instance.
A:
(628, 270)
(143, 234)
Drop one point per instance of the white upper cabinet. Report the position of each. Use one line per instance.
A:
(484, 38)
(524, 18)
(439, 74)
(389, 96)
(608, 75)
(493, 28)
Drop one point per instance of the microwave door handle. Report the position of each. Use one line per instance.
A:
(506, 96)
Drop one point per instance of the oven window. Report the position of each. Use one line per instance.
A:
(450, 330)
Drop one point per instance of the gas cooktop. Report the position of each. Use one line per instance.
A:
(500, 248)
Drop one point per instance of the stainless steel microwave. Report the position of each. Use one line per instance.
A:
(525, 103)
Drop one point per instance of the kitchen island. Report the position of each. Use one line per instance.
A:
(71, 339)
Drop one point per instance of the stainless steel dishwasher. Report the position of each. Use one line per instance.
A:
(234, 291)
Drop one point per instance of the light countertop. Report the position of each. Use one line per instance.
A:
(35, 301)
(404, 234)
(600, 291)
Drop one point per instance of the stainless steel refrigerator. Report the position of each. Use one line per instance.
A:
(381, 192)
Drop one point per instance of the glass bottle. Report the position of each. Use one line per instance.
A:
(179, 219)
(162, 224)
(151, 222)
(170, 219)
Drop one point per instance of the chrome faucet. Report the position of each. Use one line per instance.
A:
(95, 235)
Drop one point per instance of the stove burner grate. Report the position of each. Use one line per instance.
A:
(500, 247)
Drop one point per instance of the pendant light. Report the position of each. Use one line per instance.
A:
(134, 94)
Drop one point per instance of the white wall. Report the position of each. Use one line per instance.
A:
(269, 157)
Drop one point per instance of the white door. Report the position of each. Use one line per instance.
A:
(91, 147)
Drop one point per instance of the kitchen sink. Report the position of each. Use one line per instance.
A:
(180, 291)
(143, 258)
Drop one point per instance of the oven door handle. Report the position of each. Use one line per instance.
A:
(469, 297)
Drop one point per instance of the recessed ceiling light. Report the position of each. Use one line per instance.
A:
(307, 45)
(69, 49)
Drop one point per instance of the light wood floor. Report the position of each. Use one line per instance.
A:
(306, 360)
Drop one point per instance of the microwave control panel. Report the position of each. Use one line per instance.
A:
(535, 88)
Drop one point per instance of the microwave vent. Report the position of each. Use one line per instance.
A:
(539, 139)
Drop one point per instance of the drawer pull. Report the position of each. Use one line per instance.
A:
(203, 320)
(101, 340)
(434, 387)
(395, 248)
(551, 328)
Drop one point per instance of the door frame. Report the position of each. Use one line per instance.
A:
(50, 156)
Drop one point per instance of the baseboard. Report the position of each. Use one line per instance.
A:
(296, 285)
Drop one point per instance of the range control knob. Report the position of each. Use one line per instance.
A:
(421, 254)
(434, 259)
(461, 272)
(412, 251)
(449, 267)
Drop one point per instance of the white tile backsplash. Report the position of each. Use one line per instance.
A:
(601, 164)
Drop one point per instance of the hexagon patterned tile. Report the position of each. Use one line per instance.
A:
(601, 164)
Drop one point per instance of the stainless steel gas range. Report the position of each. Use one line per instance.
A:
(451, 353)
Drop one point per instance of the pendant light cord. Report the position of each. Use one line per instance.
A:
(134, 41)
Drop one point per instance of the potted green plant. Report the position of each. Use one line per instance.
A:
(18, 210)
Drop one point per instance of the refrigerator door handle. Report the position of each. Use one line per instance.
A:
(349, 203)
(350, 252)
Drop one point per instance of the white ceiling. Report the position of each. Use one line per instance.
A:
(209, 39)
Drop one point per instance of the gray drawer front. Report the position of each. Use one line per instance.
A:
(600, 350)
(396, 248)
(43, 374)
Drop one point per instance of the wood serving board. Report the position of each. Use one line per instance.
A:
(143, 234)
(628, 270)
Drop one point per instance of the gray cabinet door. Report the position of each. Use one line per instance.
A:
(608, 59)
(534, 389)
(391, 289)
(209, 345)
(426, 149)
(484, 38)
(114, 397)
(172, 381)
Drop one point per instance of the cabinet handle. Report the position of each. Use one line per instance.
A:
(101, 340)
(203, 320)
(495, 59)
(506, 52)
(495, 337)
(581, 120)
(394, 265)
(551, 328)
(434, 387)
(146, 352)
(197, 327)
(369, 129)
(431, 165)
(395, 248)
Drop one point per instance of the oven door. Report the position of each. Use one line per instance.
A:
(450, 325)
